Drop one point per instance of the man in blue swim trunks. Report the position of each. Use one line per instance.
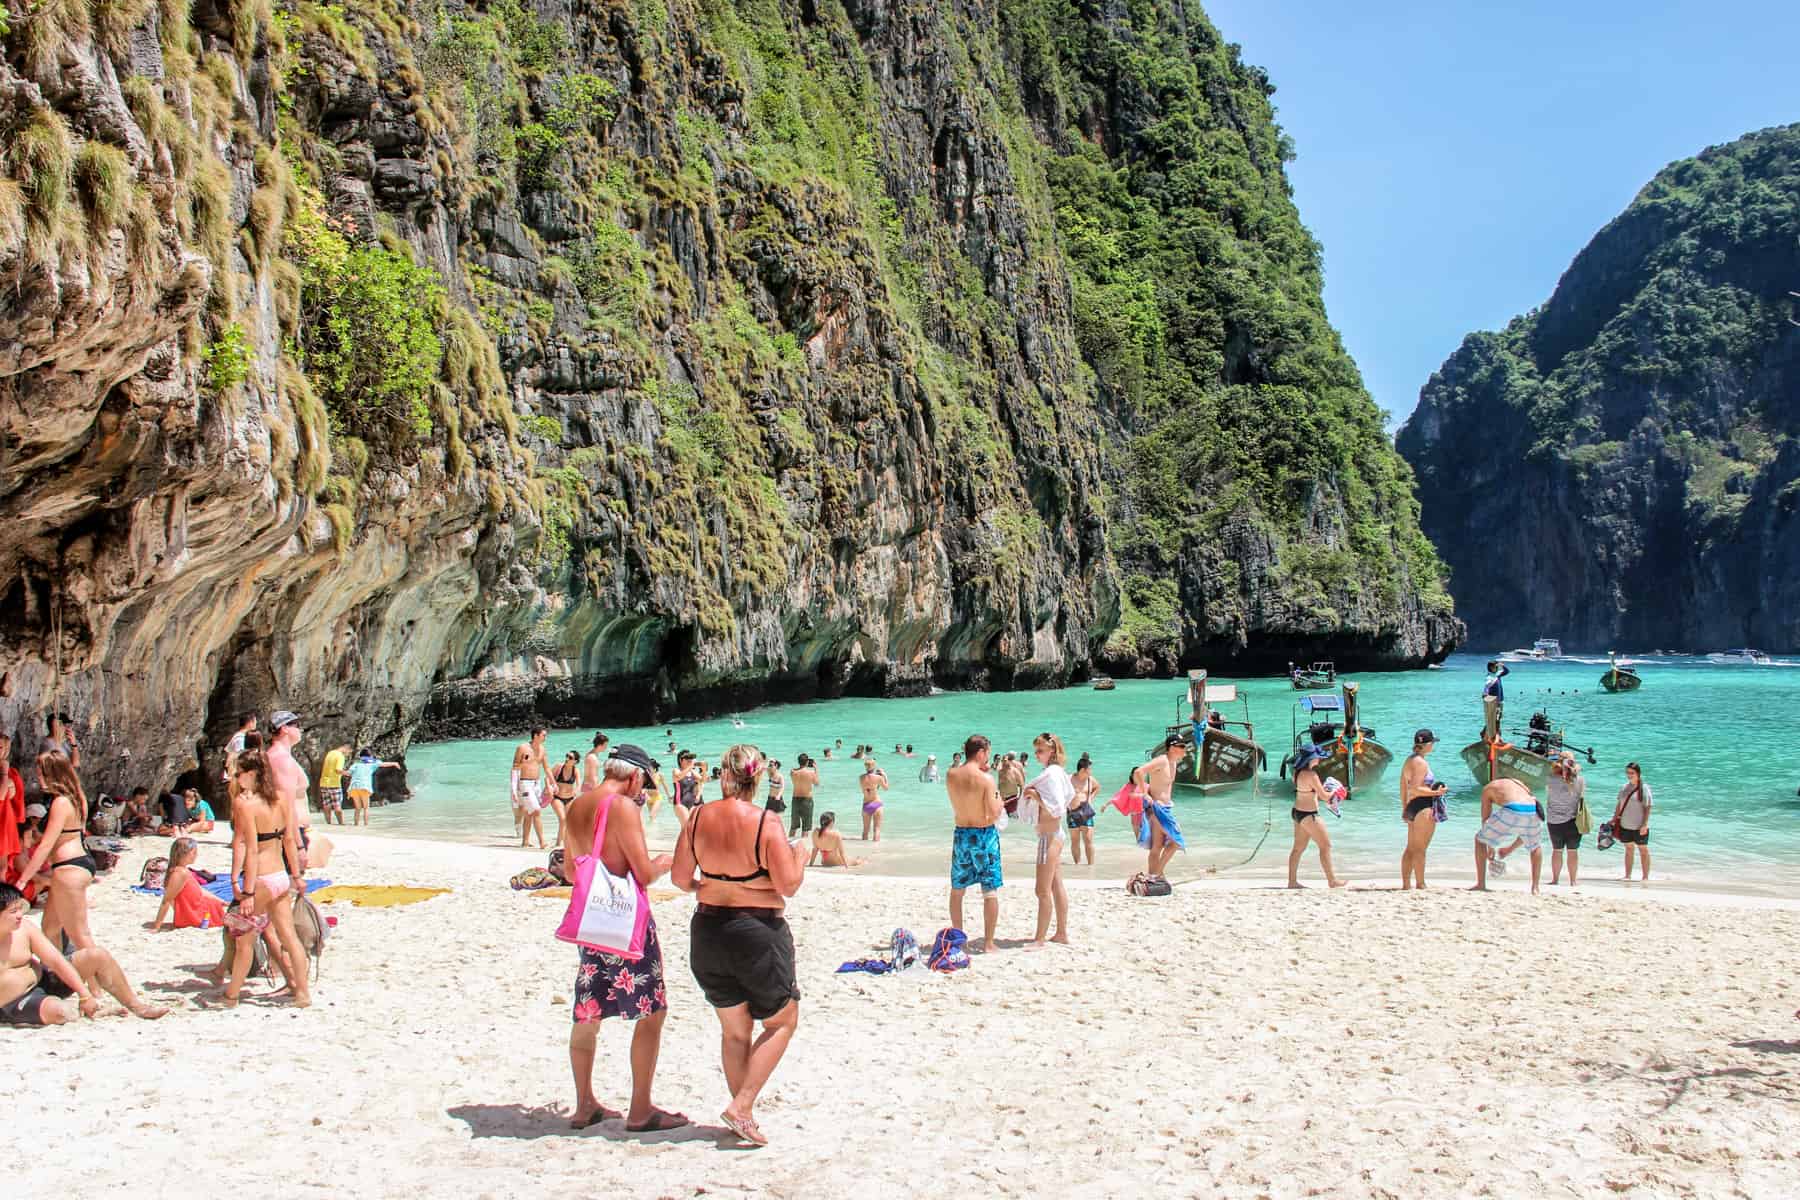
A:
(975, 854)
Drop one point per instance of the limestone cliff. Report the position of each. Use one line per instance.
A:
(1621, 467)
(447, 364)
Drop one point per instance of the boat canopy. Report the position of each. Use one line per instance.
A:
(1221, 693)
(1321, 704)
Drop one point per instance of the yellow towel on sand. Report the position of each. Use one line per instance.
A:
(365, 895)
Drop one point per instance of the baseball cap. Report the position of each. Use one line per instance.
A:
(635, 756)
(34, 811)
(283, 719)
(1423, 736)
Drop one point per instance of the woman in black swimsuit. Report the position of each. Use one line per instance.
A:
(72, 869)
(564, 781)
(1309, 789)
(733, 857)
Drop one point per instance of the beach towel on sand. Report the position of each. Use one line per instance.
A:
(1163, 815)
(221, 888)
(365, 895)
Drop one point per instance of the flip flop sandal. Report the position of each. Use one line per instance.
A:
(600, 1114)
(660, 1122)
(745, 1129)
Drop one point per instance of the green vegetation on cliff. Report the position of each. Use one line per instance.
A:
(1198, 303)
(1645, 417)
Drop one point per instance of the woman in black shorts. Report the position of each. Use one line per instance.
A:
(1561, 804)
(733, 857)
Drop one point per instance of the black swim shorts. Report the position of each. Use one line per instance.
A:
(740, 956)
(1419, 804)
(1564, 835)
(1632, 837)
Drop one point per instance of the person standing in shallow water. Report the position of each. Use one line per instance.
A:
(1419, 793)
(1082, 811)
(742, 871)
(873, 780)
(805, 778)
(606, 985)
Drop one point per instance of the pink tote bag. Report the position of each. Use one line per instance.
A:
(609, 913)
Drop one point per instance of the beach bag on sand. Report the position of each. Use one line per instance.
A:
(607, 912)
(311, 929)
(105, 851)
(155, 873)
(1149, 885)
(905, 949)
(533, 878)
(947, 953)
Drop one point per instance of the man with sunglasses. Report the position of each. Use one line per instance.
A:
(607, 985)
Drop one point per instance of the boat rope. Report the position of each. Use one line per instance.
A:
(1256, 788)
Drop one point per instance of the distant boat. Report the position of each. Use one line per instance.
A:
(1541, 650)
(1104, 683)
(1352, 755)
(1620, 678)
(737, 722)
(1222, 758)
(1742, 657)
(1434, 666)
(1318, 675)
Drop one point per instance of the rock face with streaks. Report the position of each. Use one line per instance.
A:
(1621, 467)
(446, 367)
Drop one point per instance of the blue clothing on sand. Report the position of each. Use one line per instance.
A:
(975, 858)
(1163, 815)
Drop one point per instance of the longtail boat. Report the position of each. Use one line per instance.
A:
(1352, 755)
(1218, 757)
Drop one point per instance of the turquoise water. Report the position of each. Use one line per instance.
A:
(1717, 745)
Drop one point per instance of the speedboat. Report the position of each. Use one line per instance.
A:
(1541, 650)
(1740, 657)
(1318, 675)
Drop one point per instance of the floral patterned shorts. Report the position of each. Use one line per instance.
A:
(609, 986)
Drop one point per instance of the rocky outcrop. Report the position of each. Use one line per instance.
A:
(445, 367)
(1619, 468)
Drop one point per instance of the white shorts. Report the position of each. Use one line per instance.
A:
(1504, 825)
(530, 796)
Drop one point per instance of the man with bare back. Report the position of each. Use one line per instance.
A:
(289, 776)
(975, 853)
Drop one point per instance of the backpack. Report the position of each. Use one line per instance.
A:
(533, 878)
(1149, 885)
(105, 851)
(310, 928)
(905, 948)
(155, 874)
(947, 953)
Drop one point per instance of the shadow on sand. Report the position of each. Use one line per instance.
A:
(525, 1124)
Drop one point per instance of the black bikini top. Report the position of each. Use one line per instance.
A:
(761, 871)
(269, 837)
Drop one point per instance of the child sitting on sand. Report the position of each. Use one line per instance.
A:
(828, 845)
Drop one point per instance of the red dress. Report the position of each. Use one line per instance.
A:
(195, 906)
(12, 815)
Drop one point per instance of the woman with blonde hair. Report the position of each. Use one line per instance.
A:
(265, 867)
(733, 856)
(72, 868)
(1045, 800)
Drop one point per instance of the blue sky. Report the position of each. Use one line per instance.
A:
(1454, 157)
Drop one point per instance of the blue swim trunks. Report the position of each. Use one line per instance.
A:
(975, 858)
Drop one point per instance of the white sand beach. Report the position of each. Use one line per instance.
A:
(1231, 1040)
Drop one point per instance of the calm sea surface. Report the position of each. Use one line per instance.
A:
(1718, 746)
